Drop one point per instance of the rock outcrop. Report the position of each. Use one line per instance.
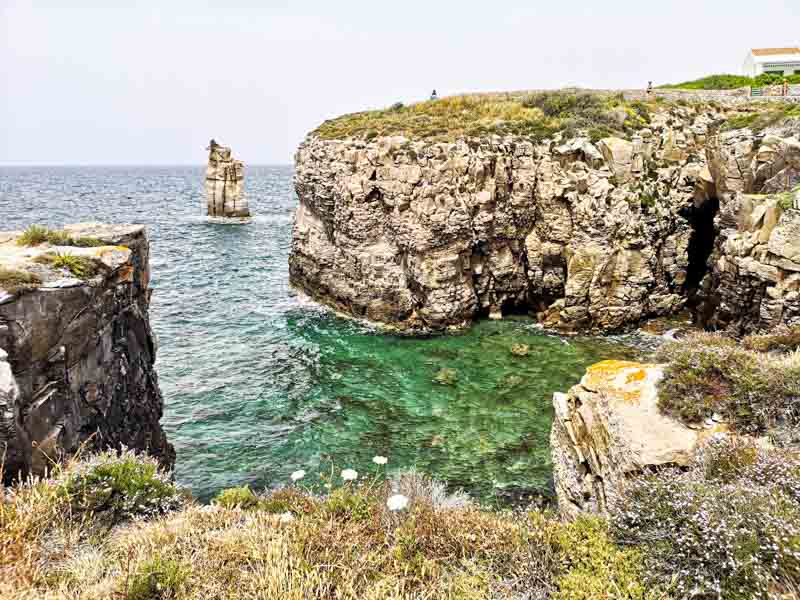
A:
(77, 352)
(609, 428)
(424, 236)
(754, 278)
(225, 184)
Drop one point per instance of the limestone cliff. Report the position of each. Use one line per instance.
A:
(608, 428)
(423, 236)
(754, 277)
(76, 348)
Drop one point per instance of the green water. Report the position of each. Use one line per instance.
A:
(258, 383)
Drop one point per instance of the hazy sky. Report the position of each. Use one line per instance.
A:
(149, 82)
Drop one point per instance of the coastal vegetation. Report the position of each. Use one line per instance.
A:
(82, 267)
(14, 281)
(35, 235)
(759, 120)
(730, 82)
(536, 115)
(114, 525)
(713, 376)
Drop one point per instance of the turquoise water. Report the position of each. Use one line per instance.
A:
(258, 382)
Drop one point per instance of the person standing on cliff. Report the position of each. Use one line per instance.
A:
(434, 95)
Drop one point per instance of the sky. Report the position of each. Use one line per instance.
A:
(151, 81)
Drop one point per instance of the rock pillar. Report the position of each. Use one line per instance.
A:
(224, 184)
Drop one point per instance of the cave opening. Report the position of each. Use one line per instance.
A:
(700, 216)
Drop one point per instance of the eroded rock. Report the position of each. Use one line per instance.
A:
(225, 184)
(76, 355)
(608, 428)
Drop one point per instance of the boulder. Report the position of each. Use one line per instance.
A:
(608, 428)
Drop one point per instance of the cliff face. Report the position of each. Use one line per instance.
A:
(754, 271)
(426, 236)
(77, 353)
(592, 236)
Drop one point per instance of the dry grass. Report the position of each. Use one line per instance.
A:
(347, 544)
(480, 115)
(14, 281)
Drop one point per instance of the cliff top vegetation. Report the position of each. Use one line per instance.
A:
(537, 115)
(115, 526)
(731, 82)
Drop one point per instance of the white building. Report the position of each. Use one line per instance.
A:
(781, 61)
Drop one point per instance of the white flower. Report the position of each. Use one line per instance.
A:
(397, 502)
(380, 460)
(287, 517)
(298, 475)
(349, 474)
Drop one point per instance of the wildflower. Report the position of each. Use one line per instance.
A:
(349, 474)
(397, 502)
(298, 475)
(287, 517)
(380, 460)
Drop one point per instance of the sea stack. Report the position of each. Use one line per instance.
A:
(224, 183)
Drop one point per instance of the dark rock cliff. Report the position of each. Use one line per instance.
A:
(77, 354)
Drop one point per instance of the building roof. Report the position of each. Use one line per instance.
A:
(774, 51)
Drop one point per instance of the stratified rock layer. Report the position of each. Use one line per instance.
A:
(76, 356)
(225, 184)
(754, 277)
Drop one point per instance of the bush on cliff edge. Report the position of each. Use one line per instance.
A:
(711, 376)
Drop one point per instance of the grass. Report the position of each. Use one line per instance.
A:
(82, 267)
(752, 391)
(536, 116)
(730, 82)
(347, 544)
(763, 118)
(14, 281)
(36, 235)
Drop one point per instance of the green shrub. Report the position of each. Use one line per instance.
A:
(729, 527)
(33, 236)
(730, 82)
(781, 339)
(348, 504)
(121, 486)
(708, 374)
(289, 500)
(157, 579)
(83, 267)
(238, 497)
(594, 567)
(36, 234)
(14, 281)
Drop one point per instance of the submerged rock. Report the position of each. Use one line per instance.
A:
(225, 184)
(77, 351)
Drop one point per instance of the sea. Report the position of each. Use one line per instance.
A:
(259, 381)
